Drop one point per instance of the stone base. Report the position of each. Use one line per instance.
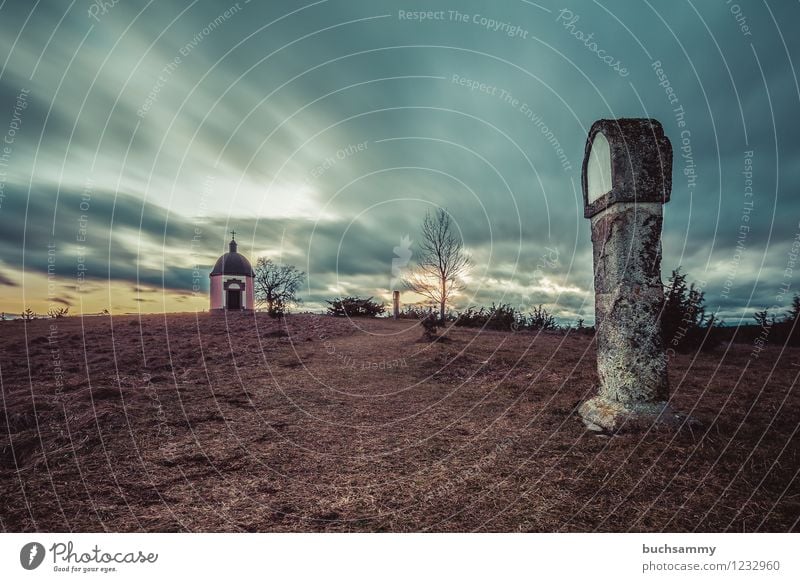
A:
(600, 414)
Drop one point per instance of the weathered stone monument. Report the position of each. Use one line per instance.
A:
(396, 304)
(627, 178)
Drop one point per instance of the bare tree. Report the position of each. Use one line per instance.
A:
(57, 312)
(276, 285)
(442, 261)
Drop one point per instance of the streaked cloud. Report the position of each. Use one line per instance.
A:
(323, 133)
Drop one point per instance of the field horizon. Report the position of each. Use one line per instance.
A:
(197, 422)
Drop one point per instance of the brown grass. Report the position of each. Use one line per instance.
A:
(204, 423)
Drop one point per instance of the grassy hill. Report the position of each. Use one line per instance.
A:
(207, 423)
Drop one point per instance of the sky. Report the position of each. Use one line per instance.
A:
(136, 135)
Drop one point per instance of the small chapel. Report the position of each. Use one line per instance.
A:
(232, 281)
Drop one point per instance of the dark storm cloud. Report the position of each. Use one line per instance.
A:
(157, 108)
(7, 282)
(96, 230)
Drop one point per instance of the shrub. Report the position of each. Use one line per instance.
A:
(504, 317)
(583, 329)
(355, 307)
(430, 323)
(541, 319)
(790, 326)
(784, 330)
(684, 324)
(28, 314)
(57, 312)
(413, 312)
(501, 317)
(276, 286)
(763, 319)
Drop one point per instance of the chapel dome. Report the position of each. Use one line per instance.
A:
(233, 263)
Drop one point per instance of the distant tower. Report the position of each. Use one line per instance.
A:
(232, 281)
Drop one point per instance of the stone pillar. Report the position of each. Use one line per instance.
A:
(396, 304)
(627, 177)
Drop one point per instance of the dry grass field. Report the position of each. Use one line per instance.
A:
(191, 422)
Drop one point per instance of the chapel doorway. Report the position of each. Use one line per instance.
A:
(234, 299)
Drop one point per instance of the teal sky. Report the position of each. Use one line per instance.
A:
(322, 133)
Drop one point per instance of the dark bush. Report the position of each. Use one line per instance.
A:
(685, 327)
(583, 329)
(780, 331)
(355, 307)
(789, 328)
(430, 323)
(504, 317)
(413, 312)
(541, 319)
(58, 312)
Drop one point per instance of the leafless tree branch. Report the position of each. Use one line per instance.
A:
(276, 285)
